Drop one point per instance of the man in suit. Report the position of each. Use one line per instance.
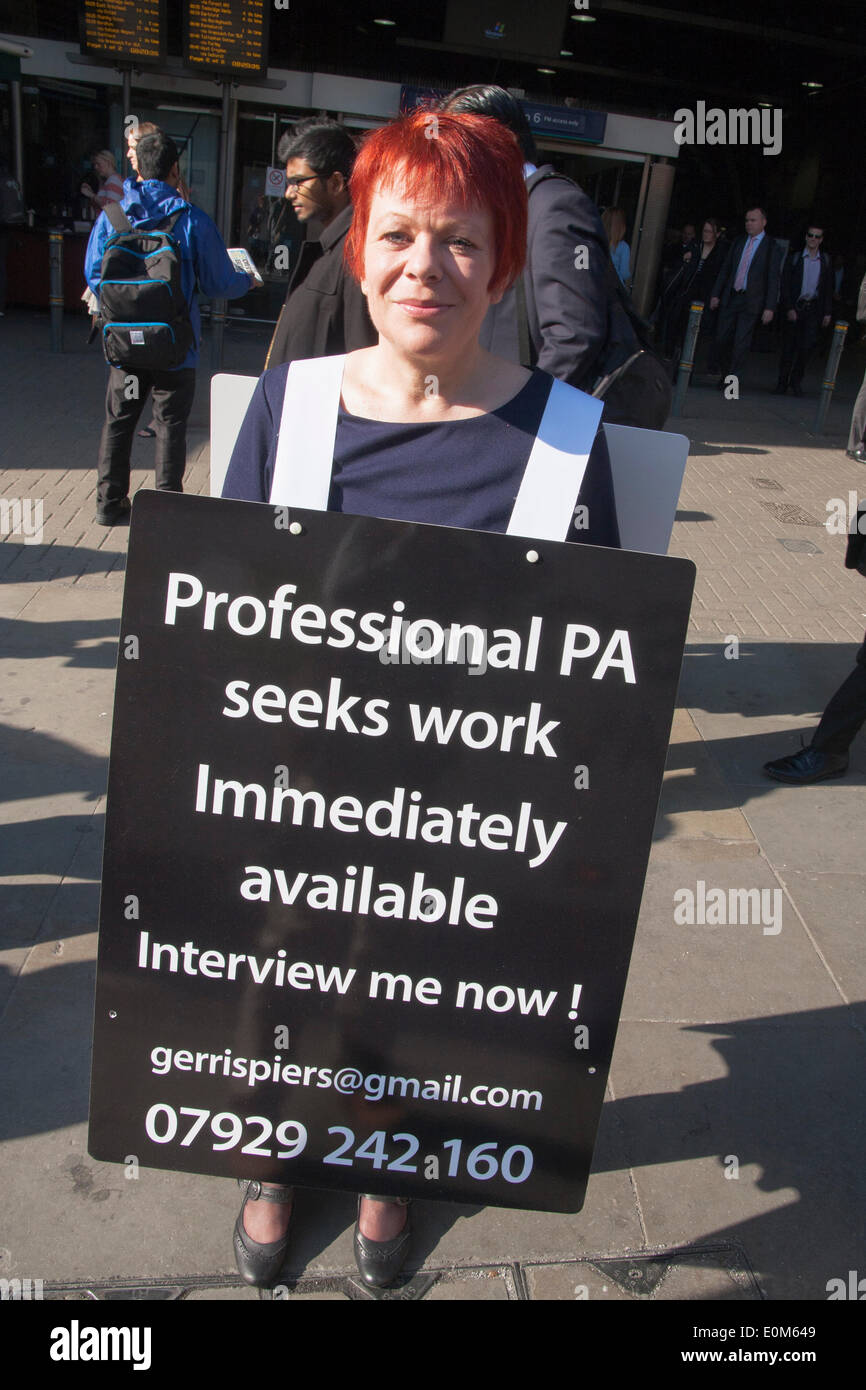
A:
(562, 326)
(827, 754)
(325, 313)
(857, 436)
(806, 300)
(747, 289)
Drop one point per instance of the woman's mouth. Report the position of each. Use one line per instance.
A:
(422, 308)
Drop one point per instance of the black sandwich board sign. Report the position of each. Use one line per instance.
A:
(379, 812)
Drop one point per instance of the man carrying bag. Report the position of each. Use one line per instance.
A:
(150, 322)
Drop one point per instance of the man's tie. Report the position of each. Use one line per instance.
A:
(745, 262)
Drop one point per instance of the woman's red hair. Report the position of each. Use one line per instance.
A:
(436, 157)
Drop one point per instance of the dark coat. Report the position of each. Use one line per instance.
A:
(762, 281)
(566, 307)
(325, 312)
(701, 275)
(792, 283)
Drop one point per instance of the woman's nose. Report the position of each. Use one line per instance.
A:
(422, 261)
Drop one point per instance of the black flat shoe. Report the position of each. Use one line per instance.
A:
(809, 765)
(380, 1261)
(114, 514)
(259, 1264)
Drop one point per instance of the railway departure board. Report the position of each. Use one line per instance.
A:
(229, 36)
(124, 29)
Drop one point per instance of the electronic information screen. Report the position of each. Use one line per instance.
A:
(227, 36)
(124, 29)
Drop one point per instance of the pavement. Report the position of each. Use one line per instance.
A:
(729, 1156)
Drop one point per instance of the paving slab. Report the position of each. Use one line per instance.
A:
(744, 951)
(744, 1131)
(833, 908)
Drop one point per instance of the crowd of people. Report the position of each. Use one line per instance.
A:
(449, 258)
(754, 278)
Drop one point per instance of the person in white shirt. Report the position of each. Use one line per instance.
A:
(110, 183)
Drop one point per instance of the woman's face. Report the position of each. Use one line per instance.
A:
(708, 234)
(426, 272)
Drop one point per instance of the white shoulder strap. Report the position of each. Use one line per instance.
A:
(308, 430)
(544, 506)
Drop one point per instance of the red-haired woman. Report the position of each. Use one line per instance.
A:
(426, 427)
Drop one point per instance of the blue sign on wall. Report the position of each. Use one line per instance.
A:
(565, 122)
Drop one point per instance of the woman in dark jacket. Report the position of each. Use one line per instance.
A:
(694, 281)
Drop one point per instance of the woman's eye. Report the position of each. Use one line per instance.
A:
(462, 243)
(396, 237)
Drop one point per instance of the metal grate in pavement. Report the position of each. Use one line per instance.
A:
(790, 514)
(799, 547)
(769, 484)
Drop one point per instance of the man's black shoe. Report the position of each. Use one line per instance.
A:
(809, 765)
(116, 514)
(859, 453)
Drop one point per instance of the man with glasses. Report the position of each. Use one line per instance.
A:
(325, 313)
(806, 304)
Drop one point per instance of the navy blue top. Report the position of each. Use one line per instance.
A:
(462, 473)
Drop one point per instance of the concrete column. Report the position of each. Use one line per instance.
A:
(17, 133)
(652, 236)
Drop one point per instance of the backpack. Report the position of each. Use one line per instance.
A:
(11, 203)
(144, 314)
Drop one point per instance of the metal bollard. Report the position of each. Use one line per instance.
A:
(55, 289)
(687, 360)
(839, 331)
(217, 330)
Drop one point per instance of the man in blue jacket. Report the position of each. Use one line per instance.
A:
(148, 204)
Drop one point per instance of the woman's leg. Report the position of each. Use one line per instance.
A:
(382, 1219)
(266, 1221)
(382, 1239)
